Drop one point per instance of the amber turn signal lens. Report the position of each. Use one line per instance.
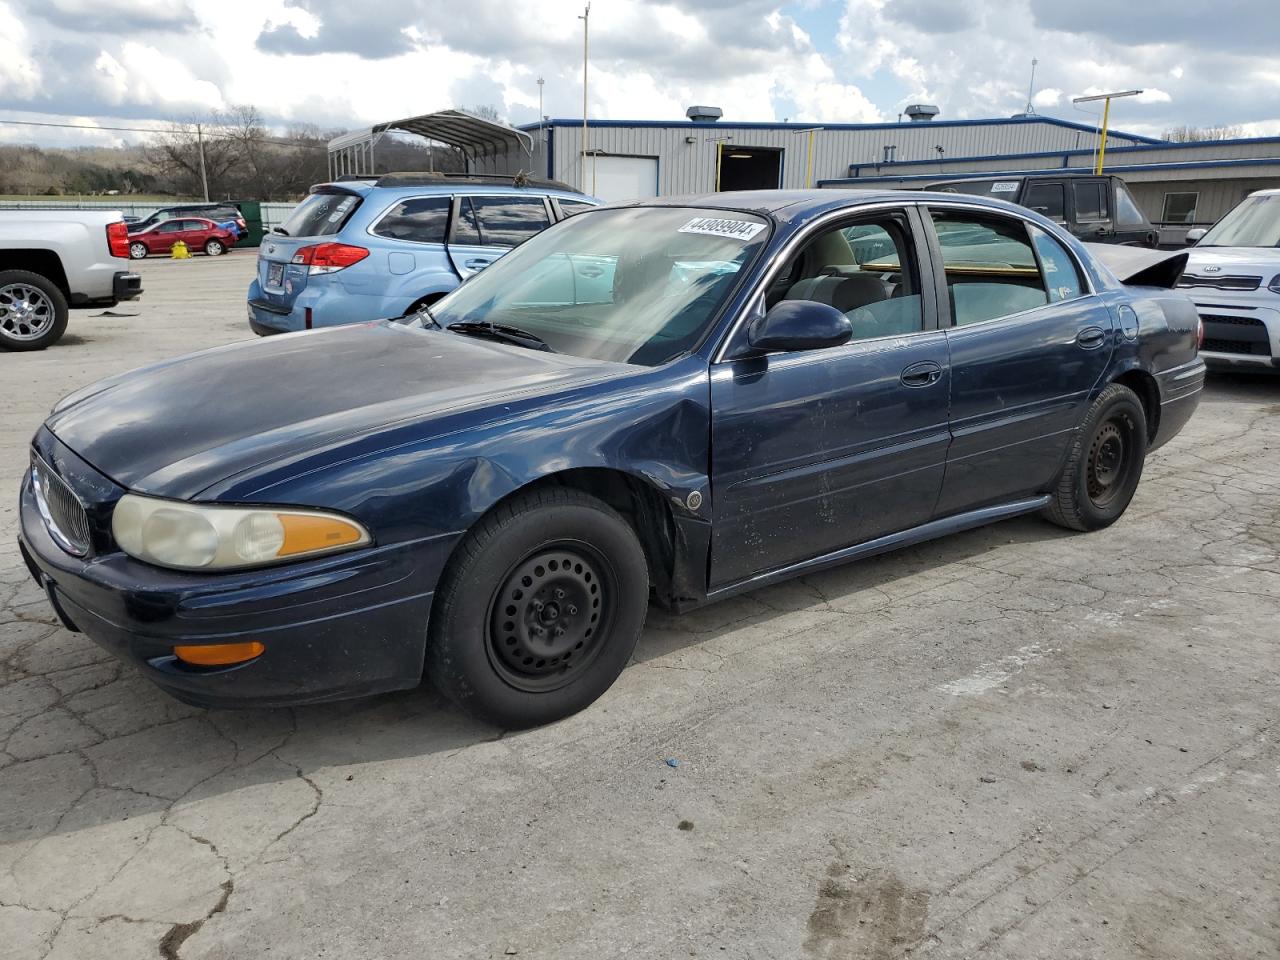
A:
(304, 533)
(219, 654)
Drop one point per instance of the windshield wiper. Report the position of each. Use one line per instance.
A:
(280, 230)
(501, 331)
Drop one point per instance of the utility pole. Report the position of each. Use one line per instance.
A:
(586, 23)
(1031, 87)
(1106, 118)
(204, 178)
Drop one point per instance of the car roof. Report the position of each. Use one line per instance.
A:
(793, 206)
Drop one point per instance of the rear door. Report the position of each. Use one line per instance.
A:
(1027, 344)
(1091, 199)
(483, 228)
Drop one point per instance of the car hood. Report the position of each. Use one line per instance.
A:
(175, 428)
(1237, 261)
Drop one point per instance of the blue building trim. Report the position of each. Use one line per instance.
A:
(755, 125)
(1042, 172)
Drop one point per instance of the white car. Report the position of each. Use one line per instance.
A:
(1233, 275)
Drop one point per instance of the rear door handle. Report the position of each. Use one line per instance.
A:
(921, 374)
(476, 263)
(1090, 338)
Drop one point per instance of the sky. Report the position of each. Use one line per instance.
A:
(341, 65)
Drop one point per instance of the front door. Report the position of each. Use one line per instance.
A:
(163, 236)
(1092, 202)
(484, 228)
(1028, 345)
(818, 450)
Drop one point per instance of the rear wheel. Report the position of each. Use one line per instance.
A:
(138, 251)
(539, 610)
(33, 311)
(1105, 465)
(215, 248)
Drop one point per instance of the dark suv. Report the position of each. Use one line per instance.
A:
(217, 212)
(1096, 209)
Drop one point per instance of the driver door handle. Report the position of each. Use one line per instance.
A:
(476, 263)
(921, 374)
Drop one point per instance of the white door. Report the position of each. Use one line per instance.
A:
(622, 178)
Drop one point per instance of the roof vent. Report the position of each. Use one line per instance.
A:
(704, 114)
(921, 112)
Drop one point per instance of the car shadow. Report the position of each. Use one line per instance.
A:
(230, 750)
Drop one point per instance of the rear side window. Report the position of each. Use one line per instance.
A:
(418, 220)
(991, 268)
(1049, 199)
(507, 221)
(1091, 201)
(1127, 212)
(320, 215)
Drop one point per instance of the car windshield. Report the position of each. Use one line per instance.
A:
(1254, 223)
(637, 285)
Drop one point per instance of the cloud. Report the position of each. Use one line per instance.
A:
(115, 16)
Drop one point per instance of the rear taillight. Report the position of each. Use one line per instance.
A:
(118, 239)
(328, 257)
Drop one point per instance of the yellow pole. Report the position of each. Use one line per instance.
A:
(808, 167)
(1102, 148)
(719, 157)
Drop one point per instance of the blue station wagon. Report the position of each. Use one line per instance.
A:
(672, 401)
(361, 250)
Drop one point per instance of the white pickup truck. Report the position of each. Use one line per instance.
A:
(54, 260)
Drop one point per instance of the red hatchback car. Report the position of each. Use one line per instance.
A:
(196, 233)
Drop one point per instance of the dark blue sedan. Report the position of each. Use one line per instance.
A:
(676, 401)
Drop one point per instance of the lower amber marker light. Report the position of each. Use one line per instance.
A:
(219, 654)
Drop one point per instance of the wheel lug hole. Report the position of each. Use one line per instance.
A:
(559, 594)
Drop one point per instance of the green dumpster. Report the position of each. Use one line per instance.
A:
(251, 210)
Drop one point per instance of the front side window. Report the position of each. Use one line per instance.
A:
(640, 285)
(320, 215)
(418, 220)
(1254, 223)
(1091, 201)
(990, 266)
(1180, 207)
(509, 221)
(867, 271)
(1049, 199)
(170, 226)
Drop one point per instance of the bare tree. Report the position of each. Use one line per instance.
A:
(1185, 134)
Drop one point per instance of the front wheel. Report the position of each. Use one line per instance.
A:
(215, 248)
(1105, 464)
(138, 251)
(539, 610)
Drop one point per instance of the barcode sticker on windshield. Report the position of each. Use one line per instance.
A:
(742, 230)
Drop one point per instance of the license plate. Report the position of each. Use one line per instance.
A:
(275, 274)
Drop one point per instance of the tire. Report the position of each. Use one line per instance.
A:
(215, 248)
(138, 250)
(33, 311)
(508, 580)
(1105, 463)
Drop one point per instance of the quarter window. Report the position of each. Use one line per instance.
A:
(508, 221)
(569, 207)
(1061, 278)
(990, 265)
(1127, 212)
(1091, 201)
(419, 220)
(1180, 207)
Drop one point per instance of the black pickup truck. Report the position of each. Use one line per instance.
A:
(1096, 209)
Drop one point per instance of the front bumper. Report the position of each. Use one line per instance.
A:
(1241, 331)
(338, 627)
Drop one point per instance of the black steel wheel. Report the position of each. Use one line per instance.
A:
(1105, 463)
(539, 609)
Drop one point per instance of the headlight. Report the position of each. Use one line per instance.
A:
(1274, 285)
(188, 536)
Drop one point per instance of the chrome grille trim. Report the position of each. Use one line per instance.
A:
(63, 513)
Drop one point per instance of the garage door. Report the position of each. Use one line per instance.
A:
(623, 178)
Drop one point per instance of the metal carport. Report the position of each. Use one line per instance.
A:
(479, 141)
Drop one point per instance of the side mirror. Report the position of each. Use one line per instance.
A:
(1195, 235)
(800, 325)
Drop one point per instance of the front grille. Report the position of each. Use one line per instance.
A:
(1220, 283)
(62, 511)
